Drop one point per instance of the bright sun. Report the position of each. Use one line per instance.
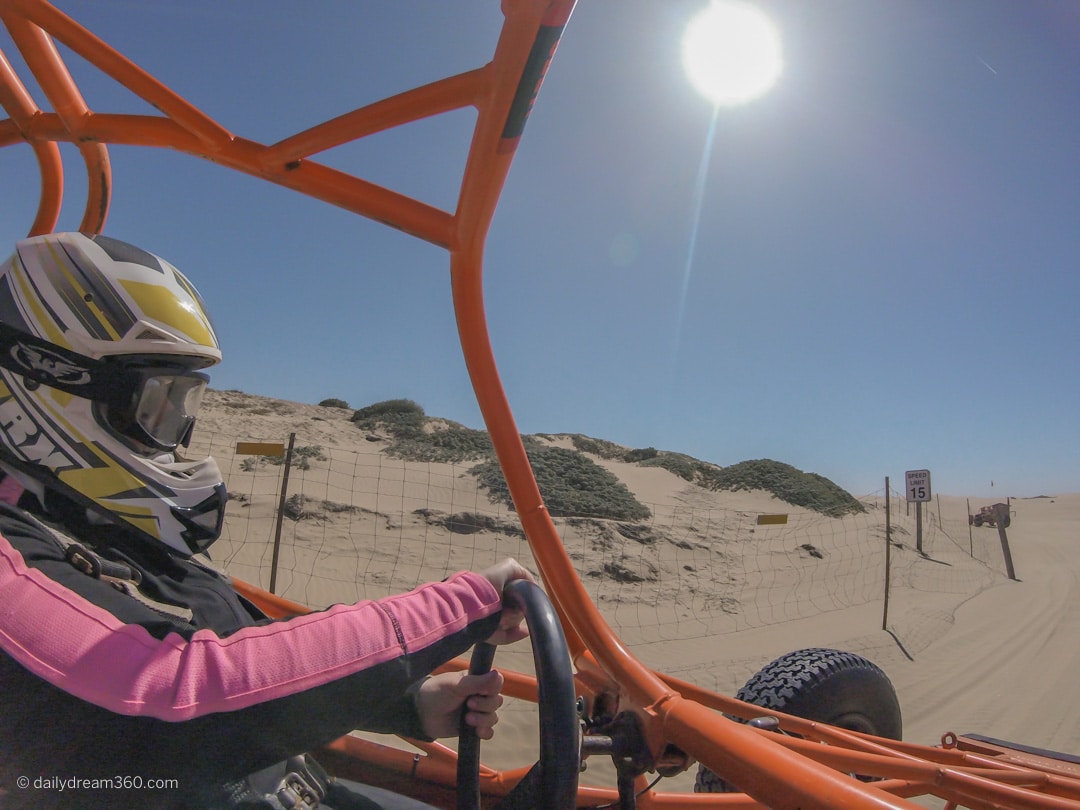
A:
(731, 52)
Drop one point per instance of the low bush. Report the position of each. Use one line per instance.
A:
(398, 415)
(675, 463)
(451, 444)
(301, 459)
(601, 448)
(415, 437)
(571, 484)
(785, 482)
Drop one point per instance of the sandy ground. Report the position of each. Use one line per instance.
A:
(968, 649)
(1007, 667)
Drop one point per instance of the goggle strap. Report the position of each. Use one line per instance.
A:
(48, 364)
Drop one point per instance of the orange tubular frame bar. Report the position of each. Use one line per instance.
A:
(809, 771)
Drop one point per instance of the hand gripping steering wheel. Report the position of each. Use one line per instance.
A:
(552, 782)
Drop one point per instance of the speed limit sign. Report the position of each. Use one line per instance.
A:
(917, 485)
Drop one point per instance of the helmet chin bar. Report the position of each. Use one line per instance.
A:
(194, 530)
(203, 521)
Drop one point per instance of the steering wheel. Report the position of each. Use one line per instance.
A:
(553, 781)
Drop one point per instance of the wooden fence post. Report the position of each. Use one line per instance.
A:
(1001, 517)
(281, 512)
(971, 541)
(888, 558)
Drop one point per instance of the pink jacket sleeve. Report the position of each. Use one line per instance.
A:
(88, 652)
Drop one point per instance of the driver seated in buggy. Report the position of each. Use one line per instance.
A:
(123, 651)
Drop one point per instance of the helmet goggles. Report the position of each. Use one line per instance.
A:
(149, 399)
(156, 405)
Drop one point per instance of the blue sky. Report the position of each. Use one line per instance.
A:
(886, 275)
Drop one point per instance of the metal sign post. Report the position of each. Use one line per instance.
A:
(917, 488)
(275, 450)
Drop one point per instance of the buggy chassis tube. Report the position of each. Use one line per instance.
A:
(958, 774)
(769, 772)
(728, 747)
(502, 92)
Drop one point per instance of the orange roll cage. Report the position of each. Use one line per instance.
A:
(681, 722)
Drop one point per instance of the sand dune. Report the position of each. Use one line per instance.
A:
(708, 595)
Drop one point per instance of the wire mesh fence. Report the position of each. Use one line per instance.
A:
(353, 524)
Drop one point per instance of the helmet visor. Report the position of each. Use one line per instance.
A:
(166, 408)
(157, 405)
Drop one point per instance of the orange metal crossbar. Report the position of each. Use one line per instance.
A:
(808, 771)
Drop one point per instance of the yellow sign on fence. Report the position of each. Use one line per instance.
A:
(260, 449)
(771, 520)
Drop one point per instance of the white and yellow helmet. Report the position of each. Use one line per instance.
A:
(101, 350)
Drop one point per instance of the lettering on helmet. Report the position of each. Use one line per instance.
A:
(35, 447)
(45, 366)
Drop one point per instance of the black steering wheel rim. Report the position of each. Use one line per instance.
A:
(553, 781)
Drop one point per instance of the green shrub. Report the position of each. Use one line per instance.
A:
(676, 463)
(785, 482)
(303, 456)
(598, 447)
(389, 409)
(301, 459)
(294, 507)
(450, 445)
(339, 508)
(397, 415)
(334, 403)
(470, 522)
(574, 485)
(570, 483)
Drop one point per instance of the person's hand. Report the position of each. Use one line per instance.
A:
(440, 698)
(510, 623)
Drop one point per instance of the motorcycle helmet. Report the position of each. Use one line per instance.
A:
(103, 348)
